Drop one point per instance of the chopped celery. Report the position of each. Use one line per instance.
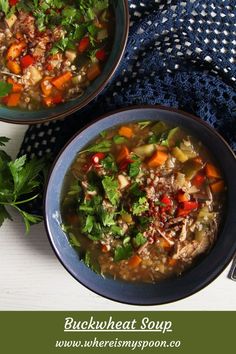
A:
(179, 154)
(191, 168)
(174, 136)
(145, 150)
(159, 128)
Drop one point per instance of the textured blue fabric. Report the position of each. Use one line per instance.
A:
(179, 54)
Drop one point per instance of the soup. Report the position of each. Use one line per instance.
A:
(143, 202)
(51, 51)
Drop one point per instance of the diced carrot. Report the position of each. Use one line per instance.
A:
(134, 261)
(217, 187)
(182, 197)
(127, 132)
(93, 72)
(172, 262)
(15, 50)
(12, 99)
(46, 86)
(123, 154)
(60, 81)
(16, 88)
(51, 101)
(19, 35)
(212, 171)
(164, 244)
(14, 67)
(157, 159)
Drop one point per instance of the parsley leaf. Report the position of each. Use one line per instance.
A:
(123, 252)
(89, 224)
(73, 240)
(140, 206)
(4, 215)
(4, 6)
(109, 163)
(103, 146)
(107, 218)
(19, 178)
(139, 239)
(3, 140)
(119, 139)
(111, 189)
(134, 167)
(89, 263)
(5, 88)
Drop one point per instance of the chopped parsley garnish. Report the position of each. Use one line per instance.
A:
(19, 183)
(119, 139)
(123, 252)
(134, 167)
(5, 88)
(109, 164)
(103, 146)
(139, 240)
(140, 206)
(111, 186)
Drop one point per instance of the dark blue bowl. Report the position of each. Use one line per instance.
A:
(14, 115)
(206, 270)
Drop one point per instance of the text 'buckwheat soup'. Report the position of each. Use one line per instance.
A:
(142, 202)
(51, 51)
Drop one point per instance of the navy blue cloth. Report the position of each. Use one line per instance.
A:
(180, 54)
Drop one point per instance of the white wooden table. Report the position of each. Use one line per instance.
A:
(31, 277)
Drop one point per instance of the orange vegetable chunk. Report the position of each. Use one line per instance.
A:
(212, 171)
(12, 100)
(93, 72)
(15, 50)
(157, 159)
(217, 187)
(60, 81)
(127, 132)
(14, 67)
(134, 261)
(123, 154)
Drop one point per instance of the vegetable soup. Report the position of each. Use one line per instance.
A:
(51, 51)
(143, 202)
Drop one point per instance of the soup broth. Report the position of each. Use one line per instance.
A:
(143, 202)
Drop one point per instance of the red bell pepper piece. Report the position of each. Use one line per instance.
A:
(97, 157)
(167, 203)
(190, 205)
(13, 2)
(123, 165)
(57, 99)
(84, 44)
(26, 61)
(198, 180)
(101, 55)
(187, 207)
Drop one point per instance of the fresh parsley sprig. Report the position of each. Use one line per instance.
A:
(19, 182)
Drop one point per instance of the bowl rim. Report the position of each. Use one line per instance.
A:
(92, 96)
(204, 284)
